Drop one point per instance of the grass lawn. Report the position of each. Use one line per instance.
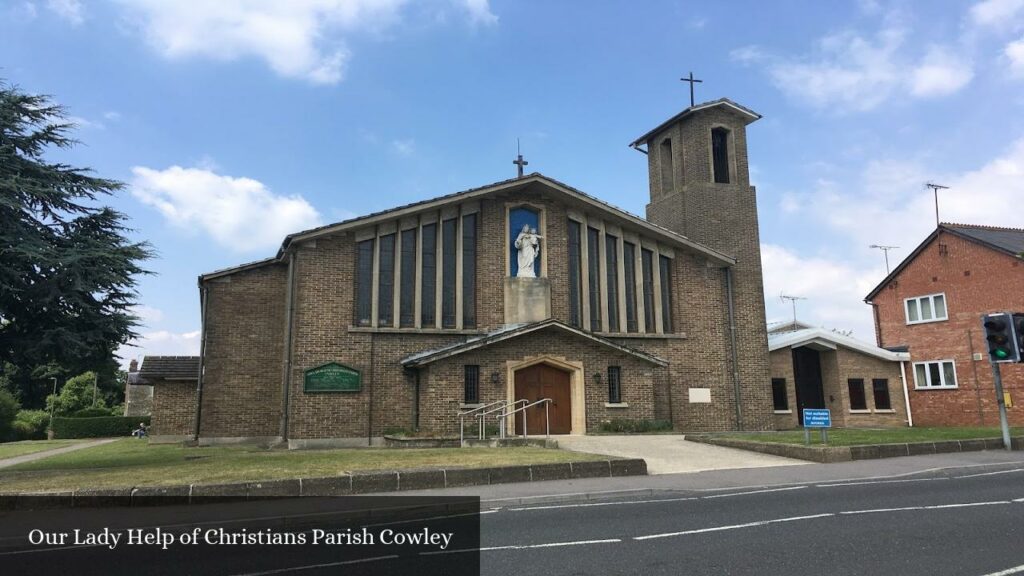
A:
(130, 462)
(12, 449)
(853, 436)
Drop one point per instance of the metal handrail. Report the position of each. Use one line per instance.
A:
(547, 415)
(462, 416)
(502, 409)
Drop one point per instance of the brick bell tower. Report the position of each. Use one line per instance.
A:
(700, 188)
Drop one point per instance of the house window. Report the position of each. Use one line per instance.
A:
(930, 308)
(575, 273)
(614, 384)
(471, 384)
(364, 282)
(647, 269)
(594, 276)
(780, 401)
(386, 281)
(629, 271)
(611, 251)
(939, 374)
(720, 154)
(428, 276)
(880, 390)
(407, 291)
(469, 271)
(449, 248)
(666, 166)
(666, 293)
(858, 401)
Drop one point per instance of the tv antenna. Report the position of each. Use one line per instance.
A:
(884, 249)
(792, 300)
(935, 188)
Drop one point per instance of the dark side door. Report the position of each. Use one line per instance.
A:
(807, 377)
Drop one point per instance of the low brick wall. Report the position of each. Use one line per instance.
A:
(343, 485)
(826, 454)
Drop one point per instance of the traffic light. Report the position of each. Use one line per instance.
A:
(1003, 344)
(1018, 331)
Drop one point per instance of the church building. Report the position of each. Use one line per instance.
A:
(522, 290)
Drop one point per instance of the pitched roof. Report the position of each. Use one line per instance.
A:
(169, 368)
(725, 102)
(1009, 241)
(822, 338)
(515, 331)
(510, 185)
(786, 326)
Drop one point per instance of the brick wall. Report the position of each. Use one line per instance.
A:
(174, 408)
(974, 280)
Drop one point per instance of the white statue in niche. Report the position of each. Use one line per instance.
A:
(528, 245)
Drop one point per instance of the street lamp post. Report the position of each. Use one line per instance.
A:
(49, 429)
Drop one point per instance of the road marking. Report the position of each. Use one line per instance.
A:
(931, 507)
(315, 566)
(754, 492)
(991, 473)
(591, 504)
(523, 546)
(833, 485)
(732, 527)
(1008, 571)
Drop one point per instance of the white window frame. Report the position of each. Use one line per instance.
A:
(931, 301)
(927, 375)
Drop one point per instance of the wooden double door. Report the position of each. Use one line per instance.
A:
(542, 381)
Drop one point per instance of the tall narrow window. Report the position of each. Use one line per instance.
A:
(364, 282)
(471, 384)
(858, 401)
(386, 281)
(407, 290)
(629, 271)
(575, 274)
(469, 271)
(880, 390)
(665, 158)
(594, 276)
(611, 252)
(647, 268)
(448, 266)
(614, 384)
(428, 276)
(665, 264)
(720, 154)
(780, 402)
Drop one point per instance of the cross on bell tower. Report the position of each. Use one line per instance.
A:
(692, 81)
(519, 162)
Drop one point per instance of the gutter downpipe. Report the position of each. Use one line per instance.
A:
(906, 393)
(203, 291)
(732, 350)
(286, 377)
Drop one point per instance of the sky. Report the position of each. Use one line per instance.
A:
(236, 122)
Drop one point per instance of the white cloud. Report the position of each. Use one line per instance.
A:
(112, 115)
(479, 12)
(996, 13)
(70, 10)
(241, 214)
(940, 73)
(160, 343)
(1014, 52)
(303, 39)
(85, 123)
(406, 147)
(748, 54)
(148, 314)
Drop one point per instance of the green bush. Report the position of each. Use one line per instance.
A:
(98, 427)
(76, 395)
(92, 412)
(622, 425)
(8, 412)
(31, 424)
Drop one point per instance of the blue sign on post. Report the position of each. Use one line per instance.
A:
(817, 418)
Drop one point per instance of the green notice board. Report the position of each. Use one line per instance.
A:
(332, 377)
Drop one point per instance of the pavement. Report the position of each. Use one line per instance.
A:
(7, 462)
(672, 453)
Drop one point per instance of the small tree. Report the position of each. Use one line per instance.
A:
(76, 395)
(8, 412)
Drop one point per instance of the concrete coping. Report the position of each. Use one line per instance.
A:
(826, 454)
(369, 482)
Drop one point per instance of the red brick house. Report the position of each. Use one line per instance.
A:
(521, 289)
(931, 306)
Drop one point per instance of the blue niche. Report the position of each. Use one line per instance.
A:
(517, 218)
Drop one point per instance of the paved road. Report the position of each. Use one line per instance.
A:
(672, 453)
(936, 515)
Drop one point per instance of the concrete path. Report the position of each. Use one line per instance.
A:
(8, 462)
(672, 454)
